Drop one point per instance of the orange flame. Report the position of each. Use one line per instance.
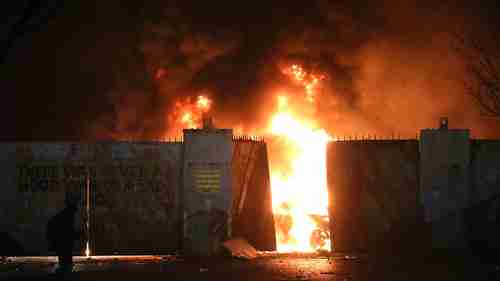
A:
(310, 81)
(203, 103)
(301, 193)
(188, 113)
(87, 249)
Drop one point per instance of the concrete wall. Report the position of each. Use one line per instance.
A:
(207, 190)
(483, 213)
(35, 179)
(442, 192)
(373, 189)
(133, 185)
(252, 216)
(374, 192)
(136, 198)
(135, 193)
(485, 169)
(445, 183)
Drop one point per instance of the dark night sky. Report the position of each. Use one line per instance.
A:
(87, 70)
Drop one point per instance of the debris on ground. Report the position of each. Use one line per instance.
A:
(240, 248)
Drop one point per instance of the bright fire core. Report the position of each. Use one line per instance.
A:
(299, 193)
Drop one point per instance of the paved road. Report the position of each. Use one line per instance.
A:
(270, 268)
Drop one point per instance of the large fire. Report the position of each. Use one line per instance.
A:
(299, 192)
(299, 189)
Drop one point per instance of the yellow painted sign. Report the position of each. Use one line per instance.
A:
(206, 177)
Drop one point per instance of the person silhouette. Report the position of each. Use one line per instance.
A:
(61, 235)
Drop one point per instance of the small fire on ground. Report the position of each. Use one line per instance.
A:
(298, 181)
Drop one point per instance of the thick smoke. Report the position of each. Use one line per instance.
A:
(390, 66)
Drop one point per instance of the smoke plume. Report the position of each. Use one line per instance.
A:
(390, 66)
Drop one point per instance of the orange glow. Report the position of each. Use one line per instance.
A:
(282, 101)
(300, 191)
(298, 182)
(298, 178)
(309, 81)
(188, 114)
(203, 103)
(87, 250)
(160, 73)
(187, 119)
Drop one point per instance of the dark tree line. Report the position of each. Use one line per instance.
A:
(481, 54)
(26, 19)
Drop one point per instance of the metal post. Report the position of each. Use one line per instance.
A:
(87, 207)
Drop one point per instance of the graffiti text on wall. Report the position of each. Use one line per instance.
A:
(49, 177)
